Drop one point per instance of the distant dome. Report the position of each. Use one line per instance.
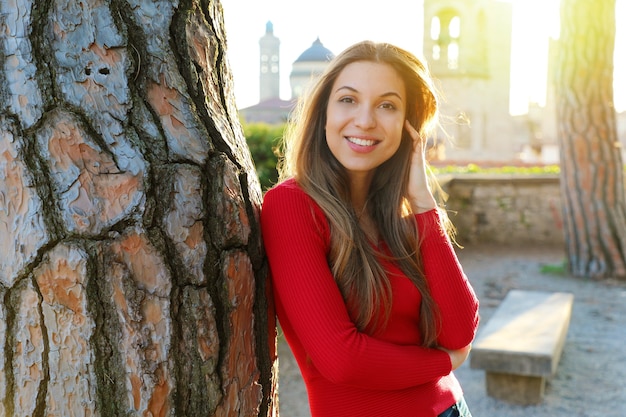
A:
(317, 52)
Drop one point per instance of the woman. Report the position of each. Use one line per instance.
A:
(369, 293)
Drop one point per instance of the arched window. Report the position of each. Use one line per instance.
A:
(445, 31)
(454, 32)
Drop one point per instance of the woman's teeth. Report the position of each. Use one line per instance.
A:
(361, 142)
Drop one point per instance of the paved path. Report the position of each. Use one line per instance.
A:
(591, 377)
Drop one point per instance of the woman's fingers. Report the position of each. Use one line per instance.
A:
(417, 140)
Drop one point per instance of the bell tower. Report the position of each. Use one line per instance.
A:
(456, 38)
(269, 66)
(467, 44)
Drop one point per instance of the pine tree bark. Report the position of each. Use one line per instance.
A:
(592, 176)
(132, 278)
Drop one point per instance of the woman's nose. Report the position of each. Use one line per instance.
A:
(364, 118)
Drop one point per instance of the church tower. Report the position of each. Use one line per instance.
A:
(269, 82)
(467, 44)
(271, 108)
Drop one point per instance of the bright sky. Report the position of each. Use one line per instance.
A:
(340, 23)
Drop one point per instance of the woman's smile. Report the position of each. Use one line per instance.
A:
(359, 144)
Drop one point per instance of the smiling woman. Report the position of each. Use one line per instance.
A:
(368, 290)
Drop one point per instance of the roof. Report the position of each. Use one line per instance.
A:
(317, 52)
(271, 111)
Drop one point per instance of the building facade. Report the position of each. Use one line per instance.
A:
(467, 44)
(271, 109)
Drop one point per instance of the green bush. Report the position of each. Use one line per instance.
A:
(504, 169)
(263, 141)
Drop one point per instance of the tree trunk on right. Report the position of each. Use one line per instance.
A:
(592, 176)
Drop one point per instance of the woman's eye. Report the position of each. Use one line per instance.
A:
(388, 106)
(346, 100)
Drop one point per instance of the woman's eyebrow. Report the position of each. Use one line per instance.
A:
(392, 94)
(346, 87)
(354, 90)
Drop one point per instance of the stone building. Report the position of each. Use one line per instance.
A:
(271, 108)
(467, 44)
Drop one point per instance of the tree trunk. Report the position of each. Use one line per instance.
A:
(592, 177)
(132, 276)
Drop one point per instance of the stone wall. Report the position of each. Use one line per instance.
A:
(505, 209)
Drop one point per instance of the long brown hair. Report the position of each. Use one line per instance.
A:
(353, 261)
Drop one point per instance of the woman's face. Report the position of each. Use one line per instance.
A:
(365, 116)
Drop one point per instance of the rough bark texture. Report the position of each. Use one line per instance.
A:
(592, 177)
(132, 278)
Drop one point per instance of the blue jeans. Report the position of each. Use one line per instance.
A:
(457, 410)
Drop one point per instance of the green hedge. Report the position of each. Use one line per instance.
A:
(506, 169)
(263, 141)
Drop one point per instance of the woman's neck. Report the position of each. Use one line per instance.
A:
(359, 191)
(359, 196)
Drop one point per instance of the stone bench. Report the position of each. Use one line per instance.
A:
(520, 346)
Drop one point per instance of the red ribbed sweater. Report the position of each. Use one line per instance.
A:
(347, 372)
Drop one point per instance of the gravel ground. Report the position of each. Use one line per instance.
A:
(591, 377)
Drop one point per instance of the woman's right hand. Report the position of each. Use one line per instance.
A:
(420, 195)
(457, 357)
